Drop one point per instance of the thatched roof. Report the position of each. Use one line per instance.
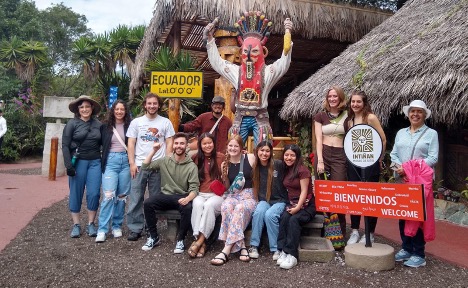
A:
(419, 53)
(313, 19)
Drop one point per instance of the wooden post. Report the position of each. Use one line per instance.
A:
(173, 111)
(53, 158)
(228, 50)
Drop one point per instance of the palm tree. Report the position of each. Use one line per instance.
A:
(82, 54)
(34, 54)
(103, 62)
(24, 57)
(11, 54)
(123, 45)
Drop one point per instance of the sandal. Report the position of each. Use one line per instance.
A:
(193, 250)
(224, 260)
(201, 251)
(241, 255)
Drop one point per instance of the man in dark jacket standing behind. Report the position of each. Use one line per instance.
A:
(206, 121)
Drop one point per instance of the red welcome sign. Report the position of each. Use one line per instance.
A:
(387, 200)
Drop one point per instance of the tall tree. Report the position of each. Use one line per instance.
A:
(61, 28)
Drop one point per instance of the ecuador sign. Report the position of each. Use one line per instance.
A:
(387, 200)
(177, 84)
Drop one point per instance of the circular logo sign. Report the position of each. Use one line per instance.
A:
(363, 145)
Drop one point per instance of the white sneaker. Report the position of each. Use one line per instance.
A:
(276, 255)
(289, 263)
(117, 233)
(281, 258)
(354, 238)
(101, 237)
(179, 247)
(363, 238)
(253, 252)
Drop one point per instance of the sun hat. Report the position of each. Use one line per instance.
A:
(218, 99)
(417, 104)
(73, 106)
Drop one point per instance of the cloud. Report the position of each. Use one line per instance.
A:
(104, 15)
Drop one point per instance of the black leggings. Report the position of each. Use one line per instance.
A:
(355, 174)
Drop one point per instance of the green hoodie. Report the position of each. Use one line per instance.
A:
(177, 178)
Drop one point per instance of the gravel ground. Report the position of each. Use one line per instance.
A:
(43, 255)
(22, 171)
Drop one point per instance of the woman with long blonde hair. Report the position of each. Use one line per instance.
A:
(239, 204)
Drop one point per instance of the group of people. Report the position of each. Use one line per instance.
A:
(415, 142)
(221, 179)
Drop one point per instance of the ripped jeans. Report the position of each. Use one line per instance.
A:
(115, 188)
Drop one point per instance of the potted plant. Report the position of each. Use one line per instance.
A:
(455, 196)
(464, 193)
(447, 195)
(438, 189)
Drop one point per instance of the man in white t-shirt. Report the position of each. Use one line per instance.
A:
(142, 134)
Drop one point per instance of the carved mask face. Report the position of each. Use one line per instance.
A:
(253, 48)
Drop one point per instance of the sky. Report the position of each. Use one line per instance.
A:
(104, 15)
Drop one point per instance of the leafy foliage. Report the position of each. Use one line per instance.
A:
(304, 131)
(26, 128)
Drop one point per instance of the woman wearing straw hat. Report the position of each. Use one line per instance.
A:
(415, 142)
(81, 146)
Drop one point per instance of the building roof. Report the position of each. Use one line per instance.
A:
(419, 53)
(321, 31)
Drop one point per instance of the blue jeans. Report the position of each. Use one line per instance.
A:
(88, 174)
(270, 215)
(143, 178)
(249, 124)
(115, 188)
(414, 245)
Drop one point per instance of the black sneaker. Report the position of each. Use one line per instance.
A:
(133, 236)
(150, 244)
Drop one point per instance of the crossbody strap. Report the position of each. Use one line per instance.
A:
(216, 124)
(116, 133)
(241, 168)
(414, 147)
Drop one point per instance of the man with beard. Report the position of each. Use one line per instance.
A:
(142, 133)
(253, 79)
(206, 121)
(179, 186)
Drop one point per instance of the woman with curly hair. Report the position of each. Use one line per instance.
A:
(115, 171)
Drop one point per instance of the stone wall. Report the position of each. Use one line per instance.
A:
(455, 212)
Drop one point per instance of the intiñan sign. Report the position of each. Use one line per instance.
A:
(387, 200)
(172, 84)
(362, 145)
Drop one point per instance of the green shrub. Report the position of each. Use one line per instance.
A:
(26, 129)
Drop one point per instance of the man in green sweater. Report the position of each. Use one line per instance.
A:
(179, 186)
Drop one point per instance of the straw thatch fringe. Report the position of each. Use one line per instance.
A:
(312, 19)
(419, 53)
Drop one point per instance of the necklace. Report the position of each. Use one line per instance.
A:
(332, 116)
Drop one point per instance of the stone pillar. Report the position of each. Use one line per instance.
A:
(55, 107)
